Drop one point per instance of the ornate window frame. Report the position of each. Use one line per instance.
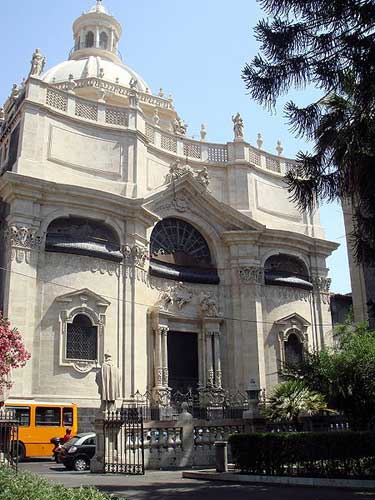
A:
(293, 324)
(94, 307)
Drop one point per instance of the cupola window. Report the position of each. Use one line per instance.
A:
(103, 42)
(287, 270)
(89, 41)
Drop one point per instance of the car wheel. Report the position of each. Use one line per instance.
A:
(80, 464)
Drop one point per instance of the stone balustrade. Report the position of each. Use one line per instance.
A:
(61, 99)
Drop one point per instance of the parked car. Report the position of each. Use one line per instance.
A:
(78, 451)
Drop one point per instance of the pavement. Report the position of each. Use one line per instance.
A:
(169, 485)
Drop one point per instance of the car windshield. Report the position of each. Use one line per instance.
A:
(69, 443)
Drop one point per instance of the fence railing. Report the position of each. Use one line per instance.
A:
(8, 440)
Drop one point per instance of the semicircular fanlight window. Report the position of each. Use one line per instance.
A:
(178, 242)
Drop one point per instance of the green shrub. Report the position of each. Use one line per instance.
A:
(26, 486)
(320, 454)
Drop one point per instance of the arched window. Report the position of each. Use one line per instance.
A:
(82, 339)
(83, 237)
(103, 40)
(89, 41)
(179, 251)
(293, 349)
(287, 270)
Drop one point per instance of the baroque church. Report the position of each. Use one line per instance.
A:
(183, 259)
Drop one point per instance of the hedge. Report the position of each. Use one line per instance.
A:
(313, 454)
(26, 486)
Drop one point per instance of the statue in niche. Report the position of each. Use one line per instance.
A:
(37, 63)
(108, 381)
(238, 126)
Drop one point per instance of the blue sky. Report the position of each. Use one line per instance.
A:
(194, 49)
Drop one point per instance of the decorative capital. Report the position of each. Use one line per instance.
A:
(321, 283)
(251, 274)
(162, 330)
(22, 237)
(208, 305)
(136, 255)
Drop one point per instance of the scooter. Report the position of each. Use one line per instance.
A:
(56, 441)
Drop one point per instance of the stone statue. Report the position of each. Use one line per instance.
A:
(177, 170)
(156, 117)
(108, 380)
(202, 177)
(133, 83)
(37, 63)
(203, 132)
(179, 126)
(237, 126)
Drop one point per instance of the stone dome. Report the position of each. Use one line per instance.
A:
(94, 66)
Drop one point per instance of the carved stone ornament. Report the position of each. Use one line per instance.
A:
(22, 236)
(208, 305)
(211, 396)
(177, 170)
(177, 295)
(180, 203)
(161, 397)
(321, 283)
(135, 255)
(251, 274)
(83, 366)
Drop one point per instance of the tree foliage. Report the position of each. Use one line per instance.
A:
(13, 353)
(329, 44)
(345, 374)
(292, 399)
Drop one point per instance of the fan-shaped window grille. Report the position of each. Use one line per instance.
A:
(293, 350)
(286, 270)
(83, 237)
(89, 39)
(103, 41)
(179, 251)
(82, 339)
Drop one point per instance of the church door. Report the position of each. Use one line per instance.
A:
(183, 361)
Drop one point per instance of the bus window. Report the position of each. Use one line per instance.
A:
(22, 414)
(47, 416)
(67, 417)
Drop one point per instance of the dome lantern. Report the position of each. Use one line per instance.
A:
(96, 33)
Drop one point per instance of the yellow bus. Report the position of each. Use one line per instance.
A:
(39, 423)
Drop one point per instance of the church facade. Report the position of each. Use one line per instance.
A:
(183, 259)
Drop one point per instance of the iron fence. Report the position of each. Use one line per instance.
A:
(124, 441)
(9, 447)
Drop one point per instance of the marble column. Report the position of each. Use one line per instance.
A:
(164, 354)
(158, 358)
(218, 378)
(209, 359)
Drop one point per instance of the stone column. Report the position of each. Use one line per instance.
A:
(164, 354)
(218, 378)
(209, 359)
(111, 42)
(97, 37)
(158, 358)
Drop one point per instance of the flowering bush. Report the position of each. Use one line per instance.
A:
(13, 353)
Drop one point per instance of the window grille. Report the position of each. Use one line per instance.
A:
(169, 143)
(86, 110)
(192, 150)
(82, 339)
(150, 133)
(254, 158)
(57, 100)
(114, 116)
(218, 154)
(272, 164)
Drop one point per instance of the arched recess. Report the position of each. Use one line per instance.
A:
(103, 40)
(294, 347)
(80, 236)
(287, 270)
(180, 252)
(82, 339)
(89, 39)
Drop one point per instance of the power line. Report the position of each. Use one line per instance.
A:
(142, 304)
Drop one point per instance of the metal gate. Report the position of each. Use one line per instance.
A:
(123, 442)
(8, 440)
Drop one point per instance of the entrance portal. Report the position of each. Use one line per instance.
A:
(183, 361)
